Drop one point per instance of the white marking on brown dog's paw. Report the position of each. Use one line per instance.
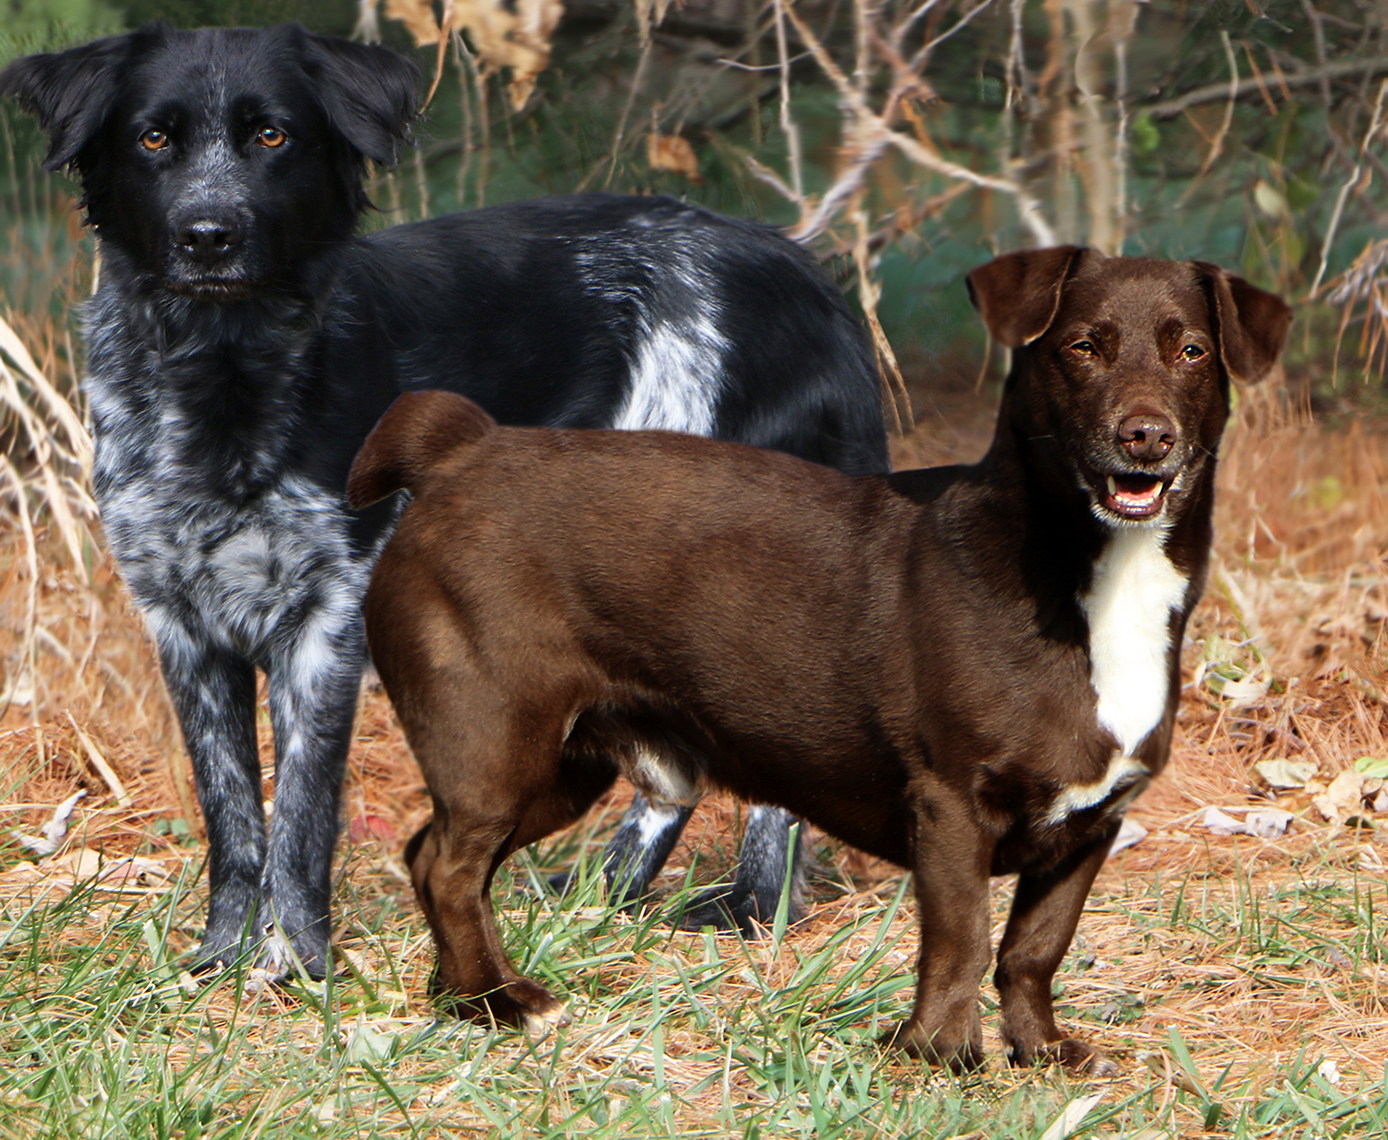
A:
(538, 1026)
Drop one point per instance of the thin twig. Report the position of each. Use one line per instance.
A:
(1217, 144)
(1350, 183)
(869, 137)
(1340, 69)
(788, 127)
(30, 651)
(1027, 206)
(444, 25)
(919, 60)
(869, 293)
(98, 761)
(626, 111)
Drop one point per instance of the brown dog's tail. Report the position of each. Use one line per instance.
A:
(416, 431)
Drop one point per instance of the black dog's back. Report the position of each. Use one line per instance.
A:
(592, 310)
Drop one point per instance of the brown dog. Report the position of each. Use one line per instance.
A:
(970, 671)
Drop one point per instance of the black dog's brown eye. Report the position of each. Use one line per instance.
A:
(1193, 352)
(1084, 348)
(271, 137)
(154, 140)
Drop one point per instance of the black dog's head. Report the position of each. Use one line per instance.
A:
(1121, 367)
(213, 162)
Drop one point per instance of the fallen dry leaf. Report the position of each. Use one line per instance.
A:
(53, 832)
(1343, 799)
(1265, 823)
(1130, 833)
(673, 153)
(1285, 773)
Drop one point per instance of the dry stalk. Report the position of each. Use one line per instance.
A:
(99, 762)
(788, 127)
(1217, 144)
(1350, 183)
(869, 293)
(29, 649)
(869, 131)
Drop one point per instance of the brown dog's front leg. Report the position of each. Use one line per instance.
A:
(1042, 924)
(474, 977)
(952, 861)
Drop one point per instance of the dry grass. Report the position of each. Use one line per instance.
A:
(1221, 969)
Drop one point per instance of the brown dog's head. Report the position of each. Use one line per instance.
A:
(1121, 367)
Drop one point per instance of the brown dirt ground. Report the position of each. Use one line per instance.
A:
(1298, 591)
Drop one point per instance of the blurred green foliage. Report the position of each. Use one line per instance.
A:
(1251, 184)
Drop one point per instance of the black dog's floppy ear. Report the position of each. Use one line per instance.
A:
(71, 92)
(1017, 294)
(1252, 323)
(418, 430)
(369, 93)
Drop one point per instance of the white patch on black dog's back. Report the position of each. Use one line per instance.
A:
(675, 378)
(678, 351)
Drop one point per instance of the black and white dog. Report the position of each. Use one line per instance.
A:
(242, 343)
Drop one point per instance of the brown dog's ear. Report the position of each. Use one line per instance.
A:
(418, 430)
(1017, 295)
(1252, 323)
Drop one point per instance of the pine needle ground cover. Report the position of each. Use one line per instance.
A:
(1232, 960)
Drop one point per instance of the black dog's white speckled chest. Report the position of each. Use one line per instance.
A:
(225, 542)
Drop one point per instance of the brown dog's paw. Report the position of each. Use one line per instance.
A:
(935, 1049)
(522, 1004)
(1074, 1055)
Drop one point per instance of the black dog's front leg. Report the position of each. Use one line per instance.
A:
(313, 699)
(213, 693)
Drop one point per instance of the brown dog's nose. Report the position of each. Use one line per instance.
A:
(1147, 436)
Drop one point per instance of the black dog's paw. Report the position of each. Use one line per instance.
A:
(222, 950)
(728, 908)
(210, 960)
(272, 958)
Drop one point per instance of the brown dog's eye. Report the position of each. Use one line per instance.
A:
(1084, 348)
(1192, 352)
(271, 137)
(154, 140)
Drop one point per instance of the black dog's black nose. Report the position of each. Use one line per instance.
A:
(208, 240)
(1147, 436)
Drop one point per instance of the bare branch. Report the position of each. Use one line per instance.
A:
(919, 59)
(1349, 185)
(1340, 69)
(788, 126)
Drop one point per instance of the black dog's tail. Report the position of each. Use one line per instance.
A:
(416, 431)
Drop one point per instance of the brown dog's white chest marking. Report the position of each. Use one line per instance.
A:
(1132, 596)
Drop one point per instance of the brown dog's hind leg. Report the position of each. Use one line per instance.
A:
(1045, 912)
(474, 978)
(452, 863)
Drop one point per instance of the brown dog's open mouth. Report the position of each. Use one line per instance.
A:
(1134, 496)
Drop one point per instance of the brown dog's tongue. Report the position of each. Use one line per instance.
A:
(1134, 494)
